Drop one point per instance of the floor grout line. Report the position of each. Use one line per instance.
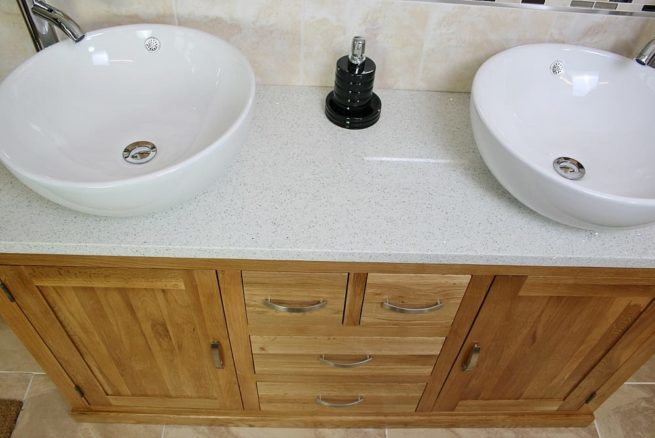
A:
(597, 428)
(29, 386)
(639, 383)
(22, 372)
(163, 431)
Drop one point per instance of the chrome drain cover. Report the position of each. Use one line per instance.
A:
(569, 168)
(139, 152)
(557, 67)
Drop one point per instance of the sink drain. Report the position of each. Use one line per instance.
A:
(569, 168)
(139, 152)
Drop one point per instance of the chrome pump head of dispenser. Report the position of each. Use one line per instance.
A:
(357, 51)
(353, 104)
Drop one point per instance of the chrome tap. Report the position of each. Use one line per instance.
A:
(43, 35)
(647, 54)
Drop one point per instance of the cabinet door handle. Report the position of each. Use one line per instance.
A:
(295, 309)
(335, 364)
(472, 359)
(330, 404)
(216, 354)
(412, 310)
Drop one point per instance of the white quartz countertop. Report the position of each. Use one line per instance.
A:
(412, 188)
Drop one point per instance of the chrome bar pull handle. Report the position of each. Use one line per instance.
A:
(330, 404)
(295, 309)
(412, 310)
(472, 359)
(335, 364)
(216, 355)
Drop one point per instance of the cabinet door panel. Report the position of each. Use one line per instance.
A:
(535, 348)
(145, 335)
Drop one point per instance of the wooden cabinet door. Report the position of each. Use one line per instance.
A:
(133, 337)
(538, 338)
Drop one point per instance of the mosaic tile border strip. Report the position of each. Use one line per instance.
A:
(643, 8)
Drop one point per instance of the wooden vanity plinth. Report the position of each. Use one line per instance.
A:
(329, 344)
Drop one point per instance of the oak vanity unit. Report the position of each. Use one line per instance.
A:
(290, 343)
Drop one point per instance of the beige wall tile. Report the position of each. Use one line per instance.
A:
(16, 45)
(460, 38)
(546, 432)
(646, 373)
(394, 31)
(619, 34)
(268, 32)
(13, 356)
(264, 432)
(13, 385)
(45, 415)
(96, 14)
(629, 413)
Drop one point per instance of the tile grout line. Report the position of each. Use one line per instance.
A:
(163, 431)
(29, 386)
(301, 72)
(639, 383)
(386, 432)
(40, 373)
(597, 428)
(176, 20)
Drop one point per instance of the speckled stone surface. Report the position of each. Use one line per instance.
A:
(412, 188)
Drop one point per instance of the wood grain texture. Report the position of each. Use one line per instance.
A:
(363, 420)
(354, 298)
(294, 289)
(621, 362)
(237, 324)
(145, 342)
(391, 366)
(507, 405)
(317, 266)
(523, 356)
(345, 345)
(594, 287)
(377, 397)
(46, 324)
(468, 309)
(13, 316)
(412, 290)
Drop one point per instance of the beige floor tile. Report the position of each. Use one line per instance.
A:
(264, 432)
(13, 356)
(629, 413)
(549, 432)
(646, 373)
(45, 415)
(13, 386)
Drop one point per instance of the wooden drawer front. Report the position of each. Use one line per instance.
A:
(294, 289)
(375, 397)
(347, 345)
(409, 367)
(414, 291)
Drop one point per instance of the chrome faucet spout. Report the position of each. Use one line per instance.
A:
(60, 19)
(647, 55)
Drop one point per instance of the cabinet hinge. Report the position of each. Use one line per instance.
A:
(79, 391)
(7, 292)
(591, 398)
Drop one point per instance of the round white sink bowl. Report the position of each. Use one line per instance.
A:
(533, 104)
(68, 113)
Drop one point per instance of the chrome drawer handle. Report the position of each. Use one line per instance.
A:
(411, 310)
(332, 363)
(295, 309)
(472, 360)
(330, 404)
(216, 354)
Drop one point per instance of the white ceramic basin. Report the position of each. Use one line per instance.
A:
(67, 114)
(599, 110)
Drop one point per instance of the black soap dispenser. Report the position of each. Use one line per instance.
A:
(353, 104)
